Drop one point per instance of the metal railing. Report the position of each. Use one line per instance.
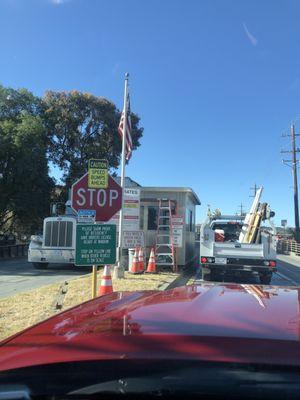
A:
(14, 250)
(288, 247)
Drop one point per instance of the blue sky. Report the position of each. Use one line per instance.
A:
(215, 83)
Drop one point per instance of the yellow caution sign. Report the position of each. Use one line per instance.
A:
(98, 174)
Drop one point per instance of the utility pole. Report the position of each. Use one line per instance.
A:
(295, 179)
(293, 164)
(255, 189)
(241, 209)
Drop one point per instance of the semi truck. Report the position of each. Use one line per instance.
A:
(57, 243)
(232, 244)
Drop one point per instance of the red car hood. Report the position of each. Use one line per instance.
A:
(225, 322)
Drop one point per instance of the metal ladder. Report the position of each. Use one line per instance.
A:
(164, 249)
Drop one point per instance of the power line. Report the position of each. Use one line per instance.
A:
(241, 210)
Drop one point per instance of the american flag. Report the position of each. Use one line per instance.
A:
(128, 149)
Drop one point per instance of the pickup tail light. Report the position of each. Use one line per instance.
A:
(204, 260)
(270, 263)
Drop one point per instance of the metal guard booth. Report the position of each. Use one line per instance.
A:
(184, 201)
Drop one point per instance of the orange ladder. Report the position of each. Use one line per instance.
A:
(164, 248)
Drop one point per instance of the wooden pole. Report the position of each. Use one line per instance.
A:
(94, 282)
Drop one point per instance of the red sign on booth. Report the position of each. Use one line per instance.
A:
(106, 202)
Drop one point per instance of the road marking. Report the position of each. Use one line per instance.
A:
(287, 279)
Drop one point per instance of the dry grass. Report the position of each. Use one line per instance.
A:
(25, 309)
(191, 281)
(80, 289)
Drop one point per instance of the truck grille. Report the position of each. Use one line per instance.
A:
(58, 234)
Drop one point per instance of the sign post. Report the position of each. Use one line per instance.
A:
(94, 282)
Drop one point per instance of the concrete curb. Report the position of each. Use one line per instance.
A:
(292, 260)
(180, 280)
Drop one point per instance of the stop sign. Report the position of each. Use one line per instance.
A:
(106, 202)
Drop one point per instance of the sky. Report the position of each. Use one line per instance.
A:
(215, 83)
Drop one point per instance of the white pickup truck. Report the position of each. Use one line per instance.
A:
(226, 254)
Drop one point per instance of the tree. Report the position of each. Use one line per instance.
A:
(65, 128)
(25, 186)
(82, 126)
(14, 103)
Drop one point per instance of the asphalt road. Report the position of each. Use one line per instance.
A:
(287, 275)
(18, 275)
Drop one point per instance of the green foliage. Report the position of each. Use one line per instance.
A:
(14, 103)
(65, 128)
(25, 185)
(82, 126)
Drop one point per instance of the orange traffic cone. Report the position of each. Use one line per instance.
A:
(141, 260)
(135, 267)
(151, 269)
(106, 283)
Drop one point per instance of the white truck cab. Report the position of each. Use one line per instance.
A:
(57, 244)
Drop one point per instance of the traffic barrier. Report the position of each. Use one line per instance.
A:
(14, 250)
(141, 260)
(135, 267)
(151, 269)
(288, 246)
(106, 282)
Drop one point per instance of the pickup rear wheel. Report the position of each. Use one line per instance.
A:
(38, 265)
(265, 279)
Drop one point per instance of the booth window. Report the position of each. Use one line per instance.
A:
(189, 220)
(142, 217)
(152, 218)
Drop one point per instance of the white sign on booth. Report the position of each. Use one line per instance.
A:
(131, 211)
(177, 229)
(132, 239)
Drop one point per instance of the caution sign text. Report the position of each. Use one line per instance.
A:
(98, 174)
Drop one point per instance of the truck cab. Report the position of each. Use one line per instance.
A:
(57, 243)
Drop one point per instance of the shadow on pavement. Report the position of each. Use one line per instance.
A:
(21, 267)
(244, 278)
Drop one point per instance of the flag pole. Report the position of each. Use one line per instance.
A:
(120, 272)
